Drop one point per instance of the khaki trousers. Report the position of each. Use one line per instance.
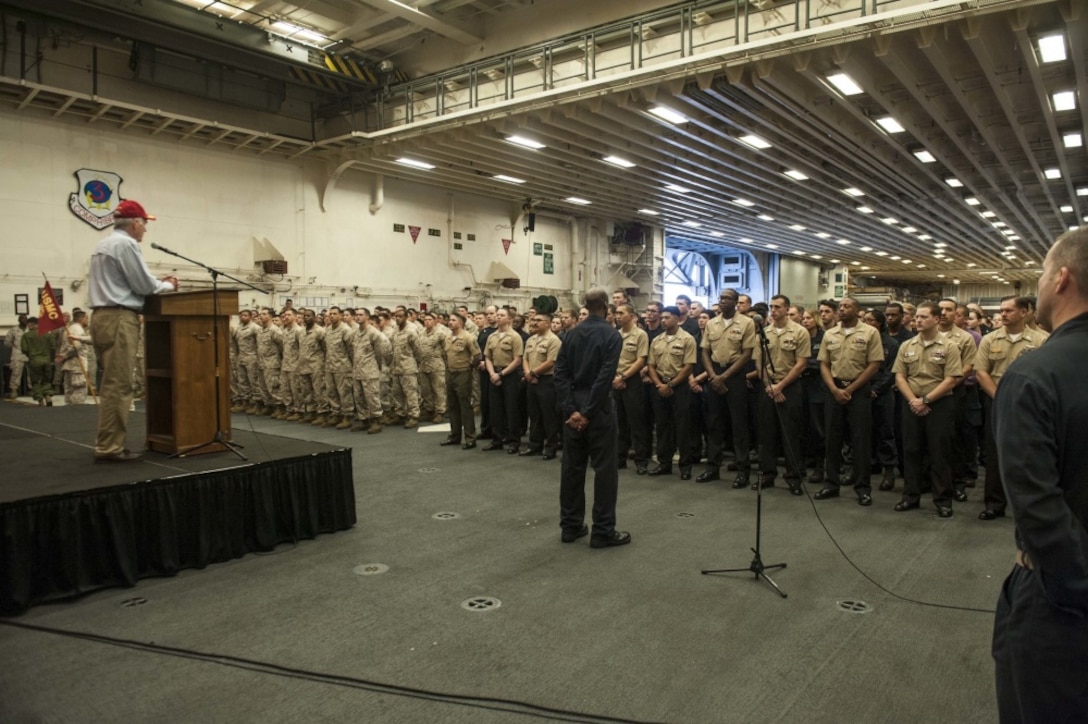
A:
(116, 334)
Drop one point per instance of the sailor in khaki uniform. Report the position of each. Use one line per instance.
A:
(997, 351)
(672, 357)
(781, 399)
(541, 351)
(628, 391)
(926, 370)
(461, 353)
(850, 355)
(502, 357)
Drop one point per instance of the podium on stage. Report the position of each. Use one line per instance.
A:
(181, 368)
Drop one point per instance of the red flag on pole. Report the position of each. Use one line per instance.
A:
(49, 315)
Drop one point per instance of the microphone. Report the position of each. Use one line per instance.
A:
(160, 248)
(759, 327)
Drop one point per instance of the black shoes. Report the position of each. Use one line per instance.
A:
(125, 456)
(825, 493)
(905, 505)
(640, 468)
(660, 470)
(888, 482)
(795, 487)
(512, 450)
(495, 445)
(528, 453)
(944, 511)
(469, 446)
(685, 473)
(960, 496)
(865, 500)
(741, 481)
(991, 514)
(569, 536)
(708, 476)
(622, 464)
(763, 482)
(616, 538)
(548, 455)
(450, 441)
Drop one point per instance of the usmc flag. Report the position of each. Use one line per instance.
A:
(49, 314)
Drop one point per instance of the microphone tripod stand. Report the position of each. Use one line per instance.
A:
(757, 567)
(218, 438)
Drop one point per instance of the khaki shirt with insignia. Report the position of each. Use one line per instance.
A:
(926, 364)
(503, 348)
(311, 351)
(406, 350)
(997, 350)
(636, 344)
(850, 351)
(461, 349)
(541, 348)
(669, 353)
(964, 342)
(368, 351)
(728, 338)
(786, 345)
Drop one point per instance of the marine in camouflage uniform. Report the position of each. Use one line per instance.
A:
(369, 350)
(432, 369)
(406, 355)
(338, 380)
(269, 359)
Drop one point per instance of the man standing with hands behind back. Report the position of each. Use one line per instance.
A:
(118, 282)
(583, 379)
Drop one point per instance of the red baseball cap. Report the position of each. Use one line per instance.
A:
(129, 209)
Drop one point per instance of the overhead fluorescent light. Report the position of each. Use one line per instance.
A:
(797, 227)
(924, 237)
(895, 257)
(845, 84)
(415, 163)
(921, 266)
(864, 209)
(1067, 209)
(617, 161)
(311, 36)
(525, 142)
(823, 234)
(1008, 232)
(1010, 248)
(692, 224)
(1052, 48)
(717, 234)
(765, 217)
(795, 175)
(833, 261)
(905, 261)
(677, 189)
(285, 28)
(649, 212)
(940, 244)
(771, 246)
(816, 256)
(798, 252)
(940, 276)
(754, 141)
(908, 229)
(954, 182)
(1064, 100)
(745, 240)
(508, 179)
(1052, 173)
(890, 125)
(1073, 139)
(577, 200)
(853, 191)
(987, 214)
(865, 268)
(842, 242)
(882, 253)
(972, 264)
(925, 156)
(667, 114)
(1082, 191)
(866, 248)
(890, 221)
(743, 202)
(971, 201)
(998, 224)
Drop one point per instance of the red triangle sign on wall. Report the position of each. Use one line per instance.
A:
(414, 231)
(506, 245)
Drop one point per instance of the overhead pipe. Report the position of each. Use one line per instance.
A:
(377, 195)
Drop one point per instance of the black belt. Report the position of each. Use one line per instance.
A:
(115, 306)
(842, 384)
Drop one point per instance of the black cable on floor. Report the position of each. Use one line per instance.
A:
(512, 706)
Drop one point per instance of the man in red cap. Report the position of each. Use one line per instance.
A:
(118, 282)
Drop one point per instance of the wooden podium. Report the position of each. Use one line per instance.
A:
(181, 364)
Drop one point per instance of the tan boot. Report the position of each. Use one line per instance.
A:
(438, 418)
(358, 426)
(238, 409)
(253, 410)
(318, 421)
(293, 417)
(411, 423)
(308, 418)
(375, 427)
(344, 424)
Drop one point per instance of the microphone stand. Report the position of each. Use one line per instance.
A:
(217, 438)
(757, 567)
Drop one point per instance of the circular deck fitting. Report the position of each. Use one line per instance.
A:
(852, 606)
(370, 569)
(685, 515)
(481, 603)
(446, 515)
